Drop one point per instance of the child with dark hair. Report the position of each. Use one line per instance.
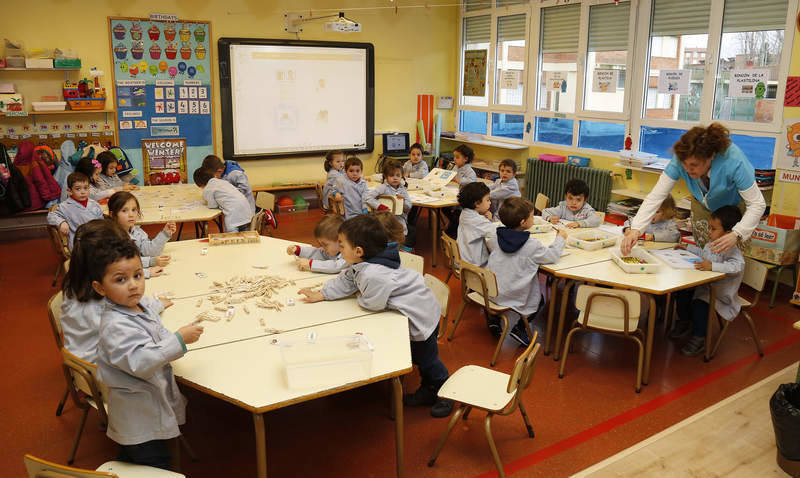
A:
(505, 186)
(475, 224)
(515, 260)
(334, 166)
(219, 193)
(375, 272)
(350, 188)
(415, 167)
(91, 169)
(663, 227)
(393, 185)
(77, 209)
(394, 228)
(326, 258)
(145, 406)
(573, 211)
(462, 157)
(692, 304)
(233, 173)
(108, 178)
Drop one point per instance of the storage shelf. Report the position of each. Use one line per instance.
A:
(63, 112)
(40, 69)
(486, 142)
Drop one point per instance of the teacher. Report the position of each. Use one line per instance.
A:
(718, 174)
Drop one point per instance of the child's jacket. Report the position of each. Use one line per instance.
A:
(353, 195)
(585, 217)
(320, 260)
(75, 214)
(330, 185)
(417, 171)
(499, 191)
(731, 263)
(219, 193)
(80, 324)
(465, 175)
(371, 200)
(235, 175)
(473, 232)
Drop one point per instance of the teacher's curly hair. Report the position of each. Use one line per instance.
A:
(702, 143)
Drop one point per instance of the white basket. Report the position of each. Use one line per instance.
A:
(592, 240)
(650, 266)
(540, 225)
(49, 105)
(321, 362)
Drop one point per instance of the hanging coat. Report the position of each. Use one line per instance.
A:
(41, 185)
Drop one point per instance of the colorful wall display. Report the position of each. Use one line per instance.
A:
(163, 91)
(164, 161)
(475, 73)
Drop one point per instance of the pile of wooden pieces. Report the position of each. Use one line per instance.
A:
(228, 238)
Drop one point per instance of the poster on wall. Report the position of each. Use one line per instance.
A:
(163, 91)
(475, 73)
(604, 81)
(164, 161)
(674, 82)
(789, 157)
(748, 83)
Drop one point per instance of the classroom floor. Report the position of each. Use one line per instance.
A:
(590, 415)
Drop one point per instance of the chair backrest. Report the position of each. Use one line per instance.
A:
(479, 279)
(60, 243)
(336, 206)
(412, 261)
(520, 376)
(394, 204)
(265, 200)
(440, 290)
(450, 248)
(624, 305)
(83, 375)
(755, 274)
(542, 202)
(318, 189)
(54, 314)
(601, 215)
(257, 223)
(38, 468)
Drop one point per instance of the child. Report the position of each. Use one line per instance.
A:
(350, 188)
(91, 169)
(326, 258)
(475, 224)
(221, 194)
(515, 260)
(393, 185)
(108, 179)
(77, 209)
(145, 406)
(233, 173)
(574, 208)
(504, 187)
(334, 166)
(123, 207)
(663, 228)
(82, 307)
(375, 272)
(415, 167)
(394, 229)
(692, 305)
(462, 157)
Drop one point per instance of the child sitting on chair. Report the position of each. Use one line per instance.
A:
(475, 224)
(334, 166)
(462, 157)
(393, 185)
(77, 209)
(108, 178)
(415, 167)
(219, 193)
(573, 211)
(515, 260)
(663, 227)
(91, 168)
(375, 272)
(145, 406)
(233, 173)
(349, 189)
(505, 186)
(326, 258)
(692, 304)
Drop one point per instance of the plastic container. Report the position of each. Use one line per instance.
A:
(592, 240)
(67, 63)
(540, 225)
(648, 263)
(49, 105)
(15, 62)
(552, 158)
(38, 63)
(321, 362)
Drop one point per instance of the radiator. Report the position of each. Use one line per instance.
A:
(550, 178)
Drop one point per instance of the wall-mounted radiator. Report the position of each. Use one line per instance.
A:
(550, 178)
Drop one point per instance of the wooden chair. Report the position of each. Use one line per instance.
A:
(412, 261)
(266, 201)
(54, 315)
(61, 246)
(601, 215)
(388, 201)
(86, 392)
(479, 286)
(318, 189)
(442, 293)
(541, 203)
(608, 311)
(495, 392)
(452, 255)
(336, 206)
(38, 468)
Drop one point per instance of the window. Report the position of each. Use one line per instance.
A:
(472, 121)
(511, 55)
(758, 149)
(659, 140)
(554, 130)
(599, 135)
(656, 100)
(558, 58)
(508, 125)
(607, 57)
(475, 57)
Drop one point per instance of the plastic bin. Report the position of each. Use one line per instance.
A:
(552, 158)
(592, 241)
(320, 362)
(540, 225)
(648, 265)
(67, 63)
(49, 105)
(38, 63)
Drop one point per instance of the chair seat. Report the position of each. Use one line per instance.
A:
(129, 470)
(744, 302)
(477, 297)
(609, 323)
(479, 387)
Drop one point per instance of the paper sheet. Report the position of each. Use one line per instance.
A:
(677, 258)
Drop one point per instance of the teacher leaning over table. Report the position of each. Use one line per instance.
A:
(718, 174)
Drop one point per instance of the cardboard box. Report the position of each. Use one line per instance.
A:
(774, 244)
(11, 102)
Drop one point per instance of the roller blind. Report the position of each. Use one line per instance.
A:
(608, 27)
(560, 27)
(472, 5)
(680, 17)
(511, 28)
(753, 16)
(505, 3)
(478, 29)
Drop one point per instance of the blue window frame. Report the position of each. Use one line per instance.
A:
(554, 130)
(508, 125)
(599, 135)
(473, 121)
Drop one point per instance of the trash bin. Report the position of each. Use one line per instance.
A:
(784, 408)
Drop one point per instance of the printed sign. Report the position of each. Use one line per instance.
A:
(763, 235)
(604, 81)
(674, 82)
(748, 83)
(164, 161)
(509, 79)
(556, 81)
(789, 177)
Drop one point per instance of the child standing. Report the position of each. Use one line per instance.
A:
(350, 189)
(221, 194)
(692, 305)
(574, 211)
(462, 157)
(77, 209)
(415, 167)
(334, 166)
(515, 260)
(393, 185)
(233, 173)
(475, 225)
(108, 178)
(375, 272)
(123, 207)
(326, 258)
(505, 186)
(145, 406)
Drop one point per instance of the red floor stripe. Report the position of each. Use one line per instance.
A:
(641, 410)
(774, 317)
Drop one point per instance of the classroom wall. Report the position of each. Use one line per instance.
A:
(416, 52)
(786, 196)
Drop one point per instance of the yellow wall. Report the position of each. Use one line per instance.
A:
(416, 52)
(786, 196)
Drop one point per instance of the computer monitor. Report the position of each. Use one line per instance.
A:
(395, 144)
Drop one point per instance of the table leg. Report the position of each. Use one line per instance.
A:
(180, 229)
(561, 318)
(551, 312)
(397, 389)
(712, 315)
(204, 228)
(261, 445)
(434, 218)
(648, 347)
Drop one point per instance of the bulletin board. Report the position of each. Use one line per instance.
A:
(163, 91)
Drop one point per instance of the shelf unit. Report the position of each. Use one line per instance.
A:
(40, 69)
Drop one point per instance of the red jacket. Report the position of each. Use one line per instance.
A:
(41, 185)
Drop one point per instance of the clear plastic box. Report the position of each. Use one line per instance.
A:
(540, 225)
(320, 362)
(648, 265)
(592, 240)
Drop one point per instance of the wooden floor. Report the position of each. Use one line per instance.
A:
(733, 438)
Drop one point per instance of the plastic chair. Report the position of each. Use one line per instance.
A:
(38, 468)
(318, 189)
(442, 293)
(495, 392)
(479, 286)
(453, 256)
(54, 315)
(541, 203)
(86, 392)
(608, 311)
(61, 246)
(412, 261)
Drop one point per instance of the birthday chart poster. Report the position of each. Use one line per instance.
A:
(162, 87)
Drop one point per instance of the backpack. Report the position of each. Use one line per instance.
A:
(14, 195)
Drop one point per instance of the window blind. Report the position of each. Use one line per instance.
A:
(505, 3)
(680, 17)
(511, 28)
(472, 5)
(609, 26)
(753, 16)
(477, 29)
(560, 27)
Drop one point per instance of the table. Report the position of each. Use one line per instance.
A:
(434, 206)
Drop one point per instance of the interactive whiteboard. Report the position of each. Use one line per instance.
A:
(286, 97)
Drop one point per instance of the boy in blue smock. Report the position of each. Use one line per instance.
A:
(573, 211)
(350, 188)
